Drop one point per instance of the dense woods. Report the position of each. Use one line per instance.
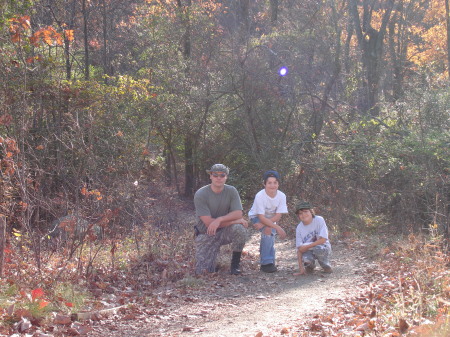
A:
(96, 95)
(104, 103)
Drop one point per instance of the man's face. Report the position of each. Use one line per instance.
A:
(218, 178)
(271, 184)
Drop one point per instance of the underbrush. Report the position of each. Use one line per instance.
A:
(97, 275)
(406, 292)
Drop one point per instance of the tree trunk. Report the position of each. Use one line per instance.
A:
(105, 40)
(86, 40)
(371, 42)
(244, 19)
(2, 241)
(189, 165)
(317, 119)
(447, 12)
(273, 12)
(189, 143)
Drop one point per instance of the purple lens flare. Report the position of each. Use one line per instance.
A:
(283, 71)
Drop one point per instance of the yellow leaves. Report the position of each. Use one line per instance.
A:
(432, 50)
(97, 194)
(16, 233)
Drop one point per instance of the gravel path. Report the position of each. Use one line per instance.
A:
(253, 304)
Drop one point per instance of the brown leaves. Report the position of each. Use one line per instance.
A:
(403, 326)
(62, 319)
(365, 327)
(5, 120)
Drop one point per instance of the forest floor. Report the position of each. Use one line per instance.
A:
(252, 304)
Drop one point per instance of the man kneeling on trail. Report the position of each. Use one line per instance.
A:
(219, 209)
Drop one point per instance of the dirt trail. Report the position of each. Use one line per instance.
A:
(226, 305)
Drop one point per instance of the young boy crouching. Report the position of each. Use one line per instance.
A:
(311, 240)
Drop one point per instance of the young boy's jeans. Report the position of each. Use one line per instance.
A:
(267, 245)
(321, 253)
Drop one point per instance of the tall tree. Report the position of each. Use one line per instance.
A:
(85, 38)
(447, 16)
(371, 43)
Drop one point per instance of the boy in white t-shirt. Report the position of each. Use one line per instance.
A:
(311, 240)
(266, 212)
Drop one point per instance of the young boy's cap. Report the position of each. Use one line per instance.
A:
(271, 173)
(218, 168)
(303, 205)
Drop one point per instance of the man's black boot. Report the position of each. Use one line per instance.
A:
(235, 262)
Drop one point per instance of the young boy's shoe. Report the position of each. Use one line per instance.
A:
(268, 268)
(309, 267)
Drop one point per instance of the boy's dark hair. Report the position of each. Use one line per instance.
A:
(271, 173)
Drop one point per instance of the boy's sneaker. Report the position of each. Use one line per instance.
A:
(268, 268)
(309, 267)
(327, 269)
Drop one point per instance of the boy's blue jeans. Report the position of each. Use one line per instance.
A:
(267, 245)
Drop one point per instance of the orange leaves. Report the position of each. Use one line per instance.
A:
(69, 35)
(84, 191)
(11, 149)
(43, 304)
(37, 293)
(20, 28)
(11, 145)
(96, 193)
(48, 35)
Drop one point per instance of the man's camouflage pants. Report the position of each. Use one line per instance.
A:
(207, 247)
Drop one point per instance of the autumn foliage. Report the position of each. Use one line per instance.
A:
(111, 110)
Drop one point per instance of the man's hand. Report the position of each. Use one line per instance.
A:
(244, 222)
(212, 228)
